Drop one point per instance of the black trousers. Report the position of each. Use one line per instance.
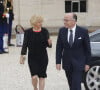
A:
(74, 78)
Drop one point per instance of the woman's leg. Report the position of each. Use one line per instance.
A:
(35, 81)
(41, 83)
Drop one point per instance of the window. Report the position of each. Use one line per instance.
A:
(68, 6)
(75, 6)
(82, 6)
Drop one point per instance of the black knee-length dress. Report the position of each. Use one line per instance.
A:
(36, 42)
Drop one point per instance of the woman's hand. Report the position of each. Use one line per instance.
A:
(22, 59)
(58, 67)
(49, 42)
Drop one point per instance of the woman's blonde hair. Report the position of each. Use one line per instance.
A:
(35, 19)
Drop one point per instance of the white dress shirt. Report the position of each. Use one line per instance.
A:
(73, 29)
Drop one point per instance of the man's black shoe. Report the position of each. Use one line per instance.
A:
(11, 45)
(1, 52)
(5, 52)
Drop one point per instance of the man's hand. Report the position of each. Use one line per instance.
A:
(22, 59)
(87, 67)
(58, 66)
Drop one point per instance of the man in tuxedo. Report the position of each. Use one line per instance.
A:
(73, 51)
(1, 26)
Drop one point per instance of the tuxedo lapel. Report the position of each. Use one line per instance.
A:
(66, 37)
(76, 35)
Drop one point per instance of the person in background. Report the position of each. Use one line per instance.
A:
(11, 18)
(36, 39)
(5, 30)
(73, 50)
(1, 26)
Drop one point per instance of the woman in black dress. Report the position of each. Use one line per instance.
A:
(36, 39)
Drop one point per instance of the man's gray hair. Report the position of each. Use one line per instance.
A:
(75, 17)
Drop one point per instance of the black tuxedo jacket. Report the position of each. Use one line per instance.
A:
(79, 54)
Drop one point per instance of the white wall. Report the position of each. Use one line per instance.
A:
(53, 12)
